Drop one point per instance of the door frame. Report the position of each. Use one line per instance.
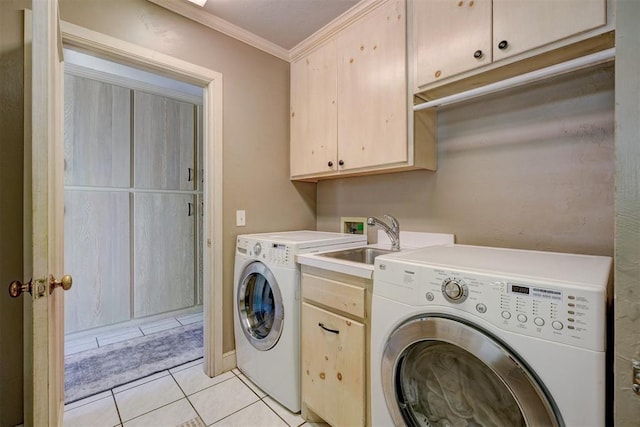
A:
(102, 45)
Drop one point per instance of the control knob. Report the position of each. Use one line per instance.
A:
(257, 248)
(454, 290)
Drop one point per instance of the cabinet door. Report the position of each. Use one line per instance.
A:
(164, 142)
(333, 366)
(527, 24)
(96, 250)
(372, 91)
(451, 36)
(164, 251)
(96, 133)
(314, 112)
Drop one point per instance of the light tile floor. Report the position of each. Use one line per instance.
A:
(180, 395)
(176, 396)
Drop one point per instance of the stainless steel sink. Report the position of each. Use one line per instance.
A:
(363, 255)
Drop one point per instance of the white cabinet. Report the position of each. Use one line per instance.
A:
(97, 119)
(349, 102)
(133, 203)
(164, 142)
(451, 37)
(97, 252)
(164, 252)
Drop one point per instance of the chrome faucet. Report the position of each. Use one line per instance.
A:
(392, 231)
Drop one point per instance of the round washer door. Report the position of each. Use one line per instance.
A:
(439, 371)
(260, 309)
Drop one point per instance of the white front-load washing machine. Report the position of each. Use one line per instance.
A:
(475, 336)
(267, 306)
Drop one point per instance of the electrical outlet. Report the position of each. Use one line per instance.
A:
(241, 218)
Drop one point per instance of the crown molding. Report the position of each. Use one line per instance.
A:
(332, 28)
(209, 20)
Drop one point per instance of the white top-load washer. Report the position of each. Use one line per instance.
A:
(468, 335)
(267, 306)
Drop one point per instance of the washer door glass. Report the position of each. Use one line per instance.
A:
(260, 307)
(443, 385)
(441, 372)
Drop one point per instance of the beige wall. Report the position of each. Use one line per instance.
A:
(256, 125)
(11, 155)
(531, 168)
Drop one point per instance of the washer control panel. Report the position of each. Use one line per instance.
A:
(271, 252)
(560, 312)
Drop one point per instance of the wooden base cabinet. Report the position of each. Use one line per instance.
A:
(334, 366)
(334, 348)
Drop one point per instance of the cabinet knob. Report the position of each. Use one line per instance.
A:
(341, 162)
(503, 45)
(477, 54)
(330, 164)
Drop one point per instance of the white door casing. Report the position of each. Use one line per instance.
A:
(99, 44)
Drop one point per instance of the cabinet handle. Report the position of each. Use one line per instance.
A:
(189, 207)
(477, 54)
(190, 177)
(503, 45)
(341, 162)
(333, 331)
(330, 164)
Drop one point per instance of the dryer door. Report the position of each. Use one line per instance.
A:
(439, 371)
(260, 309)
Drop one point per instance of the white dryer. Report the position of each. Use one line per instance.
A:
(467, 335)
(267, 306)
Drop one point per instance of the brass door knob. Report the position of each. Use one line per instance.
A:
(64, 283)
(16, 288)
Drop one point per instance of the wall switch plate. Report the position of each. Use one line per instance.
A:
(241, 218)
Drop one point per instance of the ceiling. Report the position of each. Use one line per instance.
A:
(283, 22)
(275, 26)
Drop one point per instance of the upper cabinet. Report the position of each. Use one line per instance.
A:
(314, 112)
(97, 133)
(451, 37)
(349, 102)
(372, 89)
(519, 26)
(164, 132)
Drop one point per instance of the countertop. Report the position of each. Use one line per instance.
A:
(408, 240)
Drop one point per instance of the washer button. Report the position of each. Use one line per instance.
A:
(481, 308)
(557, 325)
(522, 318)
(429, 296)
(506, 315)
(538, 321)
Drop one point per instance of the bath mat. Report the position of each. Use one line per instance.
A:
(94, 371)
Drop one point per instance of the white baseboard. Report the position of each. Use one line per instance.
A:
(229, 361)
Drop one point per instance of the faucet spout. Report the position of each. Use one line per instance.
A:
(393, 230)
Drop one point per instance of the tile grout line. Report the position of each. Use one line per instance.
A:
(187, 397)
(155, 409)
(274, 411)
(115, 402)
